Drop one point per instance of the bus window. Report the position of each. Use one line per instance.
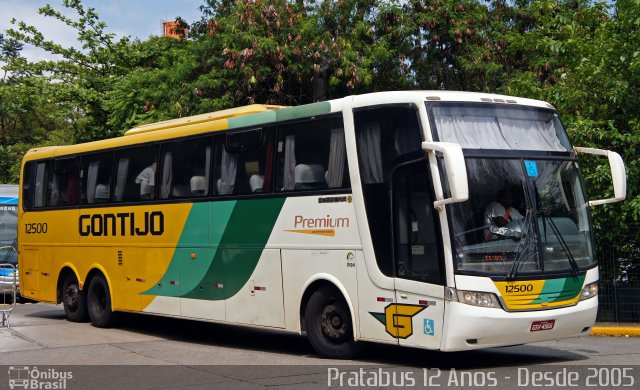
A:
(136, 174)
(416, 237)
(63, 183)
(39, 187)
(243, 162)
(28, 181)
(185, 168)
(311, 156)
(95, 178)
(386, 137)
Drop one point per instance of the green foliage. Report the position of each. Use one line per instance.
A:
(81, 79)
(586, 61)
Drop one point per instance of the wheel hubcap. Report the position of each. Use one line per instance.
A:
(72, 296)
(334, 323)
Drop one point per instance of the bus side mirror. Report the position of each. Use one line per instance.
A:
(456, 171)
(618, 174)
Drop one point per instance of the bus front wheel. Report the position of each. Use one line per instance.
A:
(99, 303)
(74, 300)
(329, 326)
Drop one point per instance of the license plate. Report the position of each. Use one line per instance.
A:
(537, 326)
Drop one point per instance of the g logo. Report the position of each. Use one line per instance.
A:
(398, 319)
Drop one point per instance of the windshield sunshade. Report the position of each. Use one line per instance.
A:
(488, 126)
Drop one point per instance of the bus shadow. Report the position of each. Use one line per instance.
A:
(253, 339)
(213, 334)
(523, 355)
(48, 314)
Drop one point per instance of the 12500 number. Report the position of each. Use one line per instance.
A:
(518, 288)
(36, 228)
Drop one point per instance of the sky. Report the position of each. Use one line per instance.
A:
(136, 18)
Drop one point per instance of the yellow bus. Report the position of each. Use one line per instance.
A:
(432, 219)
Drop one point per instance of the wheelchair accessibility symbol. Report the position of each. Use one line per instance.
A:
(429, 328)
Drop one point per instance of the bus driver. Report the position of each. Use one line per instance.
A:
(499, 213)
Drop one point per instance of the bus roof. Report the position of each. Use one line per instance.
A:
(202, 118)
(444, 96)
(181, 127)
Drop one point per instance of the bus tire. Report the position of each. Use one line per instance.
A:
(74, 300)
(329, 326)
(99, 303)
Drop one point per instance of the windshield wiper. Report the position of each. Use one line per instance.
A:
(563, 243)
(525, 238)
(528, 218)
(556, 232)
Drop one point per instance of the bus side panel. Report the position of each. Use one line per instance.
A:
(425, 305)
(206, 224)
(37, 279)
(29, 273)
(139, 273)
(319, 238)
(259, 301)
(44, 237)
(302, 267)
(216, 260)
(195, 263)
(133, 246)
(375, 304)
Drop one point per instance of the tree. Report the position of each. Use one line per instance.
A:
(28, 114)
(82, 78)
(585, 59)
(453, 46)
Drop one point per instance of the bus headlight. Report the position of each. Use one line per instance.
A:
(476, 298)
(589, 291)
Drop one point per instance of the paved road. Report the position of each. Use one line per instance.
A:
(199, 355)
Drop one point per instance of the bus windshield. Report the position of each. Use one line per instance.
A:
(524, 215)
(521, 221)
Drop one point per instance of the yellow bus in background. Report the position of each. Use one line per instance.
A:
(356, 219)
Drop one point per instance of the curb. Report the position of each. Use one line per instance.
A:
(615, 331)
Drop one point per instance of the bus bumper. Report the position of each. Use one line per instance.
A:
(471, 327)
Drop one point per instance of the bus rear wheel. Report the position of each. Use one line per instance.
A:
(99, 303)
(74, 300)
(329, 326)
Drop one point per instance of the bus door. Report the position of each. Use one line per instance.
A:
(418, 257)
(398, 197)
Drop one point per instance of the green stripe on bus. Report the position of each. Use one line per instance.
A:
(241, 246)
(305, 111)
(195, 231)
(283, 114)
(555, 290)
(380, 317)
(252, 120)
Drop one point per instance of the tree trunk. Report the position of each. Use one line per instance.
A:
(319, 81)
